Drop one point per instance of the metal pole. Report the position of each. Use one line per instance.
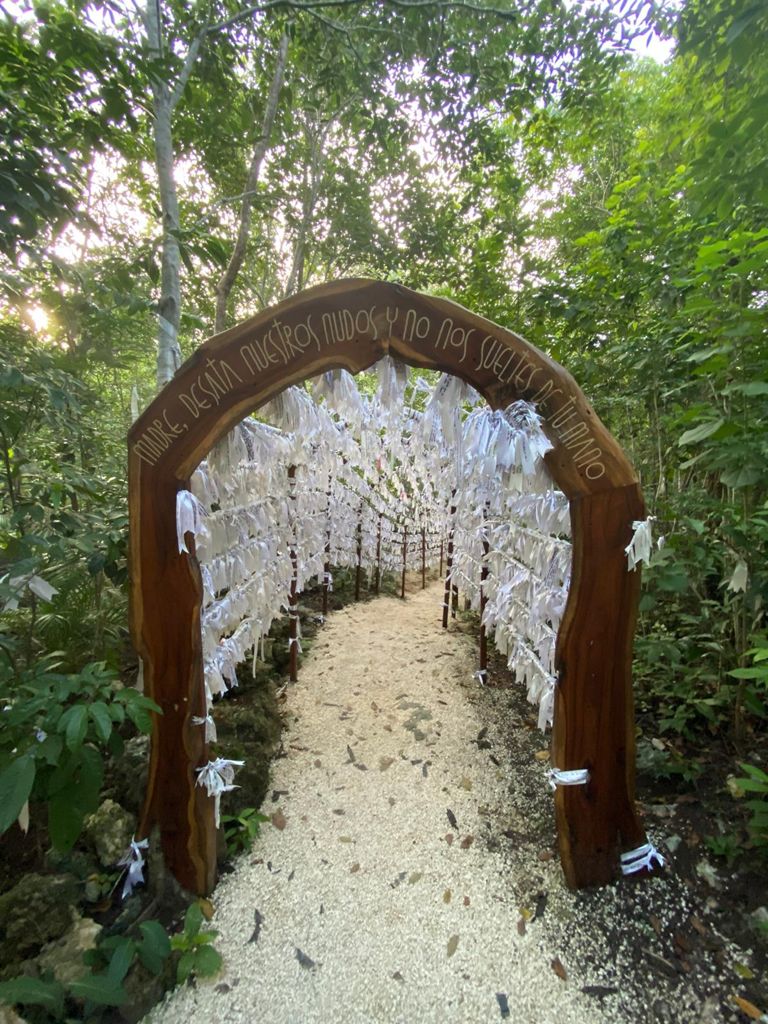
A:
(293, 608)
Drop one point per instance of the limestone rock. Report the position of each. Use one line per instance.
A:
(35, 911)
(64, 958)
(130, 772)
(110, 830)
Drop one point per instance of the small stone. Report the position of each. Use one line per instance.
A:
(672, 843)
(109, 831)
(64, 958)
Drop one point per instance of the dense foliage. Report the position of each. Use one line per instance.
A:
(522, 160)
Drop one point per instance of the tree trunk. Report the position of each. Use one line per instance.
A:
(228, 278)
(169, 306)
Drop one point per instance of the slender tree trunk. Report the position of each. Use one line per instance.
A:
(228, 278)
(309, 201)
(165, 97)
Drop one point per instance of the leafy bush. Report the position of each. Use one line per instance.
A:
(57, 728)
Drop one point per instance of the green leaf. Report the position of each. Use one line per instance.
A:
(65, 821)
(207, 961)
(74, 723)
(121, 960)
(185, 966)
(33, 992)
(102, 719)
(99, 988)
(193, 920)
(700, 433)
(16, 783)
(155, 946)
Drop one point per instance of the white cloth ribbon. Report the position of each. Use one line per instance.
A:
(210, 727)
(640, 858)
(218, 777)
(639, 548)
(134, 861)
(189, 518)
(572, 777)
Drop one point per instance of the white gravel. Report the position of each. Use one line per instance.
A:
(405, 918)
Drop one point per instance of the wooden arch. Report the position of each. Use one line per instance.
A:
(352, 324)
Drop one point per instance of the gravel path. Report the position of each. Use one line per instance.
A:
(373, 905)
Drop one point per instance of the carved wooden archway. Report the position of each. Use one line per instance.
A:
(351, 324)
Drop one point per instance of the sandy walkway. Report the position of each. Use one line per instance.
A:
(373, 908)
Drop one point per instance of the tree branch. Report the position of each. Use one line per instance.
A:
(310, 5)
(228, 278)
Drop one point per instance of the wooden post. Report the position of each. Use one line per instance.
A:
(405, 554)
(449, 566)
(423, 560)
(293, 608)
(378, 555)
(358, 567)
(483, 597)
(327, 563)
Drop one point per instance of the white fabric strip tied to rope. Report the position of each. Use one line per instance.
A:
(571, 777)
(641, 858)
(210, 727)
(639, 548)
(189, 518)
(134, 862)
(218, 777)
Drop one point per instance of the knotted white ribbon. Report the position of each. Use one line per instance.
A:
(210, 727)
(189, 517)
(640, 858)
(572, 777)
(481, 676)
(134, 861)
(639, 548)
(218, 777)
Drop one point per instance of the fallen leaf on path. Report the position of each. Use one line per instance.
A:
(385, 762)
(257, 929)
(501, 999)
(559, 970)
(345, 839)
(542, 755)
(279, 820)
(599, 990)
(748, 1008)
(545, 855)
(318, 763)
(415, 876)
(449, 837)
(361, 766)
(452, 819)
(466, 783)
(466, 901)
(350, 755)
(397, 976)
(304, 960)
(521, 926)
(743, 971)
(354, 869)
(467, 841)
(453, 945)
(541, 906)
(206, 906)
(447, 896)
